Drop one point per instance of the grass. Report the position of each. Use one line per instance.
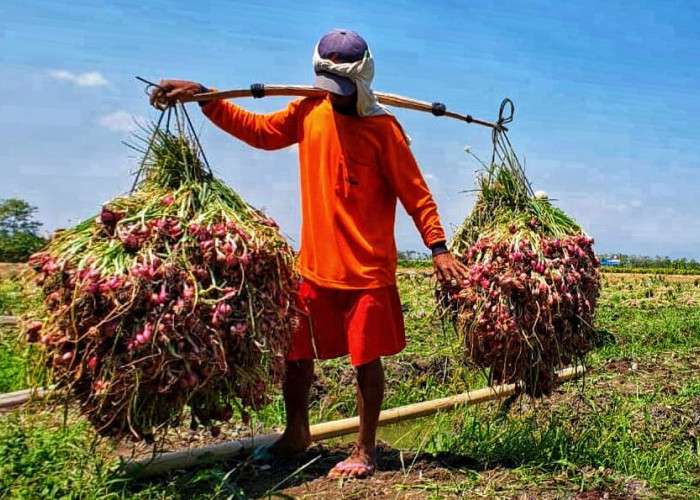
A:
(427, 264)
(644, 427)
(619, 433)
(12, 300)
(12, 363)
(40, 459)
(631, 429)
(16, 297)
(651, 270)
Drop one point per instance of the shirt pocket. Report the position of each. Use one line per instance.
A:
(360, 171)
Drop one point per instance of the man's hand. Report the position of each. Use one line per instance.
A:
(449, 270)
(170, 91)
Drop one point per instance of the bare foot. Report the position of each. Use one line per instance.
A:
(359, 465)
(291, 443)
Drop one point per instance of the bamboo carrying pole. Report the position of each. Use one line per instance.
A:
(198, 456)
(307, 91)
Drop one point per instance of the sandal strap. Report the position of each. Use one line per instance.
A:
(344, 466)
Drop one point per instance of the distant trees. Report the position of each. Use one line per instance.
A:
(643, 261)
(413, 255)
(19, 231)
(626, 261)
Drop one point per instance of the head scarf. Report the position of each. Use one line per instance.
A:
(361, 73)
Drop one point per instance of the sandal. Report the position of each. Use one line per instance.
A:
(366, 470)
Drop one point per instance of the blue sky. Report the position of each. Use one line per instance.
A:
(607, 95)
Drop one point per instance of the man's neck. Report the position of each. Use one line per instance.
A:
(346, 110)
(345, 105)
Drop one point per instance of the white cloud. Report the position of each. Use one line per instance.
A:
(88, 79)
(636, 203)
(61, 75)
(121, 121)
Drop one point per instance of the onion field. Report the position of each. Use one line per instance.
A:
(629, 429)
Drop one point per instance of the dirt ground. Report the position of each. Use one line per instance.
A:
(406, 475)
(671, 278)
(10, 271)
(396, 470)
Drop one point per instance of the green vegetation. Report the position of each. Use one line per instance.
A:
(12, 363)
(630, 429)
(646, 262)
(19, 236)
(637, 416)
(632, 265)
(12, 300)
(651, 270)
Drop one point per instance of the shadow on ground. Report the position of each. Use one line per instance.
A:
(603, 338)
(393, 467)
(305, 475)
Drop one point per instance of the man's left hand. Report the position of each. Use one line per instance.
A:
(449, 270)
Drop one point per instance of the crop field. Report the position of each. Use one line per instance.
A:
(629, 429)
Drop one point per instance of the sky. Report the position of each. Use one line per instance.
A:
(606, 96)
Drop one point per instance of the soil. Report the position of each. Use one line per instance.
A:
(406, 475)
(396, 470)
(403, 474)
(11, 271)
(670, 278)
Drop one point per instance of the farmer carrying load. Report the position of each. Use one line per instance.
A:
(355, 162)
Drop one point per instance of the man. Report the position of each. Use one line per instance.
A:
(354, 163)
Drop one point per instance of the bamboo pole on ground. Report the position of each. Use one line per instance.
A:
(9, 320)
(12, 400)
(212, 453)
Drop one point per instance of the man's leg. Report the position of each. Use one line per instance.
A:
(370, 393)
(297, 384)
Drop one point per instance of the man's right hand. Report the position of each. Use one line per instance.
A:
(170, 91)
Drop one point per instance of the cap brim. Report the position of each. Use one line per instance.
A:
(334, 84)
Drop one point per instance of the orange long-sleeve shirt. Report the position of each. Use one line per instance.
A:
(352, 170)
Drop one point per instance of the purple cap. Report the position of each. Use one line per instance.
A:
(344, 46)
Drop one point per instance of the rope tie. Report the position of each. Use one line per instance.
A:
(439, 109)
(503, 152)
(183, 126)
(258, 90)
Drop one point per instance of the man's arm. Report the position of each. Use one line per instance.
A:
(272, 131)
(401, 170)
(403, 173)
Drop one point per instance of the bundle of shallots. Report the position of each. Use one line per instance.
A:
(176, 295)
(527, 307)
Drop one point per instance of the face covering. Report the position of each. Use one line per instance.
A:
(361, 73)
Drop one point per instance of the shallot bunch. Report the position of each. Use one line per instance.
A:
(527, 308)
(177, 295)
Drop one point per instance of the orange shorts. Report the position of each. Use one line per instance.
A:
(366, 324)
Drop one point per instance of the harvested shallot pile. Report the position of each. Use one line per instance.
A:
(177, 295)
(527, 308)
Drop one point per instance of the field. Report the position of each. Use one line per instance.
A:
(629, 429)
